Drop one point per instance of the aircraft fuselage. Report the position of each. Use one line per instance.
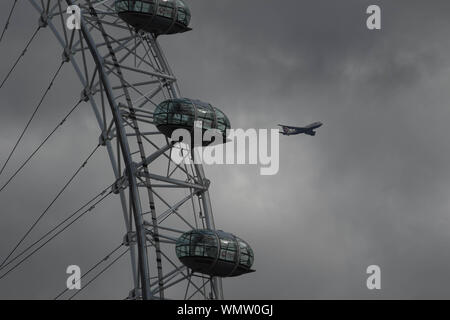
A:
(309, 130)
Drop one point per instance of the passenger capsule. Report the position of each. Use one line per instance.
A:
(175, 114)
(155, 16)
(215, 253)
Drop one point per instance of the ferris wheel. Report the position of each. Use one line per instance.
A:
(171, 238)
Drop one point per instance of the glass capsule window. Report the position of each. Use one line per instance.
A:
(228, 247)
(148, 7)
(135, 6)
(183, 17)
(182, 113)
(184, 14)
(197, 244)
(121, 6)
(166, 9)
(160, 115)
(222, 120)
(246, 254)
(205, 114)
(228, 255)
(138, 6)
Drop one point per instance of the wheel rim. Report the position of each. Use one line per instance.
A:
(128, 72)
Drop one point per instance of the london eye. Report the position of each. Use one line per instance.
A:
(175, 249)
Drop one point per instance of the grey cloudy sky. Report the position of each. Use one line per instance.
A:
(371, 188)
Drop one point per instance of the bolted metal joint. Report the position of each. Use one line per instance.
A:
(120, 184)
(86, 94)
(92, 12)
(135, 168)
(67, 54)
(43, 20)
(103, 138)
(135, 294)
(129, 239)
(165, 83)
(206, 183)
(123, 108)
(142, 33)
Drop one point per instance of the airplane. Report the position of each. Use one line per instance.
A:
(309, 130)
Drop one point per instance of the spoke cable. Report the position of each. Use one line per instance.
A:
(50, 205)
(8, 20)
(106, 258)
(54, 228)
(29, 122)
(100, 273)
(54, 236)
(20, 56)
(40, 146)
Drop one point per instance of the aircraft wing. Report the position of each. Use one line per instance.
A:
(314, 125)
(289, 127)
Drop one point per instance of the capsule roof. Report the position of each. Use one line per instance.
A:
(215, 253)
(155, 16)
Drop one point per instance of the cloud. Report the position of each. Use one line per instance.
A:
(370, 188)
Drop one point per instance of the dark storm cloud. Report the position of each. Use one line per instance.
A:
(371, 188)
